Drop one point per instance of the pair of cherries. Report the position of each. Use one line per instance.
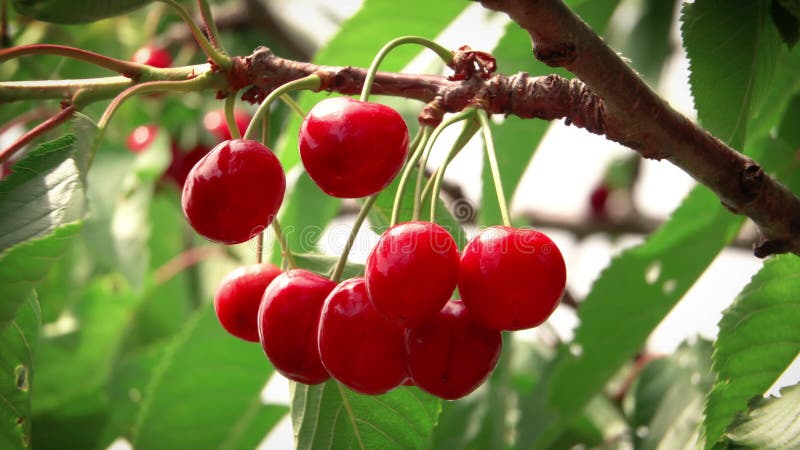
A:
(397, 323)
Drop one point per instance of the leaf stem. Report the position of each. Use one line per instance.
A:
(127, 68)
(417, 147)
(211, 26)
(495, 169)
(223, 61)
(471, 126)
(311, 82)
(362, 214)
(37, 131)
(230, 118)
(445, 54)
(285, 251)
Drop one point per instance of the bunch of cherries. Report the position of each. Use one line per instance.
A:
(397, 324)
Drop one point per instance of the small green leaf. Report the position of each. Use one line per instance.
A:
(330, 416)
(757, 340)
(770, 423)
(205, 392)
(66, 11)
(17, 344)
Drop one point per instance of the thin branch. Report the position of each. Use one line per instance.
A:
(37, 131)
(126, 68)
(638, 118)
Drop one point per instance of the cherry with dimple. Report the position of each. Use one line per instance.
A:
(234, 192)
(358, 346)
(451, 355)
(288, 322)
(511, 278)
(238, 298)
(412, 271)
(352, 148)
(153, 56)
(141, 138)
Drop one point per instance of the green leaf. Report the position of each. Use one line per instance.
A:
(733, 48)
(770, 423)
(666, 402)
(205, 392)
(17, 344)
(330, 416)
(649, 45)
(66, 11)
(757, 340)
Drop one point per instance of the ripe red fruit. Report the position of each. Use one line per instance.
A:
(288, 323)
(358, 346)
(239, 296)
(412, 271)
(141, 138)
(451, 355)
(598, 202)
(352, 148)
(511, 278)
(234, 191)
(214, 122)
(153, 56)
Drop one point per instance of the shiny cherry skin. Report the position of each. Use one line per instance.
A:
(234, 191)
(412, 271)
(141, 138)
(288, 324)
(358, 346)
(451, 355)
(239, 296)
(511, 278)
(151, 55)
(214, 122)
(352, 148)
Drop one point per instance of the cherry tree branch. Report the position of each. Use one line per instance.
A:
(637, 117)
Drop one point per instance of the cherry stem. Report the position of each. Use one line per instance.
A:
(259, 247)
(218, 58)
(183, 261)
(127, 68)
(265, 130)
(495, 169)
(445, 54)
(351, 239)
(291, 103)
(417, 146)
(36, 114)
(286, 253)
(230, 118)
(311, 82)
(211, 26)
(471, 126)
(428, 149)
(450, 156)
(37, 131)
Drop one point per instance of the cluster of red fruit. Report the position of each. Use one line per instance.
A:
(397, 324)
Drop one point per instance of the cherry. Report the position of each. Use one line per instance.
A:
(412, 271)
(234, 191)
(358, 346)
(451, 355)
(598, 202)
(511, 278)
(352, 148)
(288, 323)
(141, 138)
(151, 55)
(214, 122)
(239, 296)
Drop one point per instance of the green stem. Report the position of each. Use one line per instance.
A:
(230, 118)
(265, 130)
(471, 126)
(445, 54)
(362, 215)
(417, 147)
(495, 169)
(128, 68)
(211, 26)
(429, 148)
(285, 251)
(312, 82)
(219, 59)
(286, 98)
(450, 156)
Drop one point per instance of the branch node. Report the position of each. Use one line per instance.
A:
(751, 179)
(433, 112)
(771, 247)
(555, 54)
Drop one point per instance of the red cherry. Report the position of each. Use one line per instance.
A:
(598, 202)
(511, 278)
(153, 56)
(214, 122)
(412, 271)
(288, 323)
(141, 138)
(239, 296)
(358, 346)
(234, 191)
(352, 148)
(451, 355)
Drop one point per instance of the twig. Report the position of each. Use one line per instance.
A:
(37, 131)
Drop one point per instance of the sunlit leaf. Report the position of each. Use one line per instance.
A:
(770, 423)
